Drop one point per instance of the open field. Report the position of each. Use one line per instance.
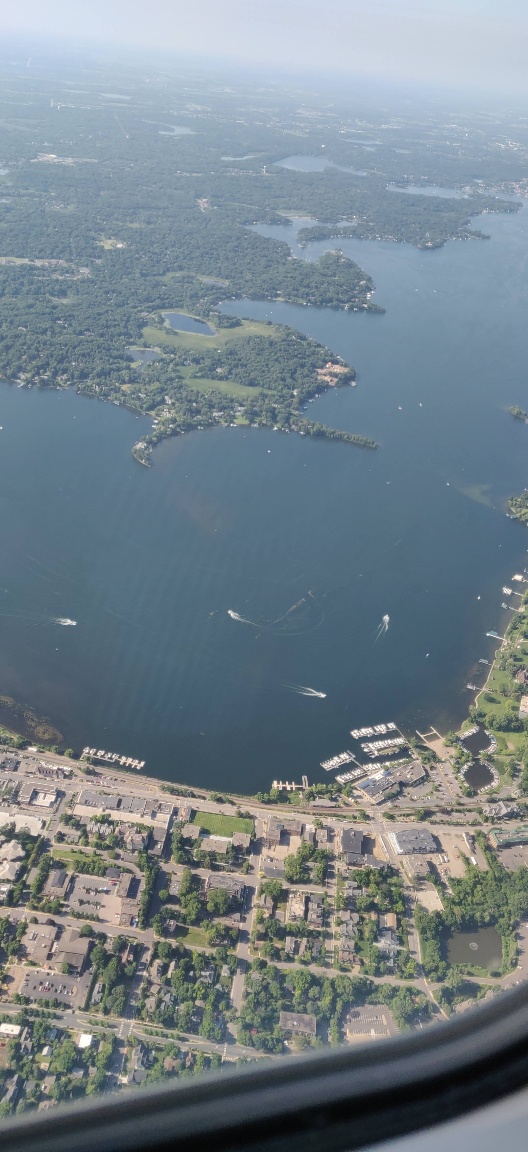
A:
(219, 825)
(191, 937)
(195, 341)
(210, 384)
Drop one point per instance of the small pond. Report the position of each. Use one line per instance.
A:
(143, 356)
(476, 742)
(478, 775)
(188, 324)
(481, 947)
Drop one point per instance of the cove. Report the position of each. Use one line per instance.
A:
(310, 542)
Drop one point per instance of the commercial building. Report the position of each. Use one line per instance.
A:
(72, 950)
(410, 840)
(127, 808)
(298, 1023)
(38, 942)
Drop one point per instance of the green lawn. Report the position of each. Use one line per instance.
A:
(195, 341)
(192, 937)
(210, 384)
(219, 825)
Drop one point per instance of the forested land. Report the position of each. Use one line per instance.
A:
(108, 216)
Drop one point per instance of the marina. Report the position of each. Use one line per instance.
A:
(346, 757)
(112, 758)
(384, 747)
(377, 730)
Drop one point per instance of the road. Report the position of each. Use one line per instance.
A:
(242, 950)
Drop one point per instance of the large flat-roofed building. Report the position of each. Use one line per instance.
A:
(223, 880)
(28, 793)
(379, 787)
(507, 838)
(298, 1023)
(410, 840)
(38, 942)
(129, 809)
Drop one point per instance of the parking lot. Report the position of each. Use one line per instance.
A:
(39, 984)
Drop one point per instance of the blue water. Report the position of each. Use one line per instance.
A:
(185, 323)
(148, 561)
(143, 356)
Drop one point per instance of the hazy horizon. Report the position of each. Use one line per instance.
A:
(469, 44)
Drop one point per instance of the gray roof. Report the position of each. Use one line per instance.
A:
(409, 840)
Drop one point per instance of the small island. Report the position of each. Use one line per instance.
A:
(518, 506)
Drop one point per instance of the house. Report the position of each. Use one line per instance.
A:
(296, 907)
(389, 920)
(523, 708)
(315, 912)
(11, 851)
(298, 1023)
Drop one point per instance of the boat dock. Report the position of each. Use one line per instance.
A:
(290, 786)
(377, 730)
(384, 747)
(112, 758)
(346, 757)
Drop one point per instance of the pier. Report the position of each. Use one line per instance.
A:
(112, 758)
(377, 730)
(290, 786)
(384, 747)
(346, 757)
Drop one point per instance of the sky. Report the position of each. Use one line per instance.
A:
(480, 44)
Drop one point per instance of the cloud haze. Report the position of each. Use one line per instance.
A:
(476, 43)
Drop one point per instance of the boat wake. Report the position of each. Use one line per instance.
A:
(302, 690)
(66, 623)
(382, 628)
(241, 619)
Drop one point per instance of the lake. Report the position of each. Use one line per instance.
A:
(143, 356)
(481, 947)
(149, 561)
(185, 323)
(429, 190)
(303, 163)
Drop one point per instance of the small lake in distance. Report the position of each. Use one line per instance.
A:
(301, 163)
